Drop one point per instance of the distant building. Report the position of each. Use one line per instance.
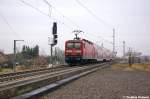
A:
(145, 58)
(3, 58)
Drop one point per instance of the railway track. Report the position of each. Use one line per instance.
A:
(19, 87)
(21, 75)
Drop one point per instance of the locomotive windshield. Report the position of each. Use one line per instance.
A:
(74, 45)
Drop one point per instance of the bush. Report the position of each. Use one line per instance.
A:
(1, 69)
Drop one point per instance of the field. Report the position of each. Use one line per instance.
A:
(5, 70)
(18, 69)
(135, 67)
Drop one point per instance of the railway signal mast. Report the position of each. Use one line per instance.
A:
(54, 32)
(54, 40)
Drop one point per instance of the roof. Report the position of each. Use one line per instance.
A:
(76, 40)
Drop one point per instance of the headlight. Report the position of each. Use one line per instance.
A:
(78, 51)
(68, 51)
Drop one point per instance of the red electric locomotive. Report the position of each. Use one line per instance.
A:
(80, 51)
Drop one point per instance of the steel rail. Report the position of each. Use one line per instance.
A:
(48, 88)
(36, 77)
(13, 76)
(21, 72)
(42, 80)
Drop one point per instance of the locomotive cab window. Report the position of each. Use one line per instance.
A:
(69, 45)
(74, 45)
(77, 45)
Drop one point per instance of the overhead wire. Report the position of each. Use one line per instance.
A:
(8, 24)
(94, 15)
(38, 10)
(67, 18)
(12, 29)
(45, 14)
(28, 4)
(50, 5)
(97, 18)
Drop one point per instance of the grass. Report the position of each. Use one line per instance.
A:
(5, 70)
(135, 67)
(0, 69)
(9, 70)
(18, 69)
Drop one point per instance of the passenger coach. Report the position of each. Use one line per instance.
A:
(80, 51)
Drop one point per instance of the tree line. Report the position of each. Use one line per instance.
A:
(29, 52)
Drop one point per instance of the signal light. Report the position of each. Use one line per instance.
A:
(55, 41)
(54, 28)
(55, 36)
(54, 32)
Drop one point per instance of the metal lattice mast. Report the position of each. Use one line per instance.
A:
(114, 53)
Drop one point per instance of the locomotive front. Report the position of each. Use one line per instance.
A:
(73, 51)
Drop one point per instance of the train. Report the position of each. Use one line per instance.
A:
(82, 51)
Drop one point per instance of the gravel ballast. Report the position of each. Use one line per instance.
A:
(105, 84)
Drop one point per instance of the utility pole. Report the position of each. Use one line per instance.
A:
(130, 59)
(114, 53)
(14, 63)
(124, 49)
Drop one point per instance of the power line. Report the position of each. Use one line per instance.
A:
(28, 4)
(13, 31)
(124, 48)
(38, 10)
(95, 16)
(50, 5)
(10, 27)
(114, 43)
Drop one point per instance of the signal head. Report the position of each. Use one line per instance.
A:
(54, 28)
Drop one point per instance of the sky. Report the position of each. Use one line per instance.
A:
(130, 18)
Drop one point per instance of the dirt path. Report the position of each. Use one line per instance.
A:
(105, 84)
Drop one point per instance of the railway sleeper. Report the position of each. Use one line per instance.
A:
(30, 85)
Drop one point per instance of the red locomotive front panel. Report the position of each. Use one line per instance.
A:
(73, 48)
(79, 51)
(73, 51)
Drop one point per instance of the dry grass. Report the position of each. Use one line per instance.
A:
(9, 70)
(128, 69)
(19, 68)
(119, 66)
(5, 70)
(125, 67)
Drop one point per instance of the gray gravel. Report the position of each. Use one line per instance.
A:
(105, 84)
